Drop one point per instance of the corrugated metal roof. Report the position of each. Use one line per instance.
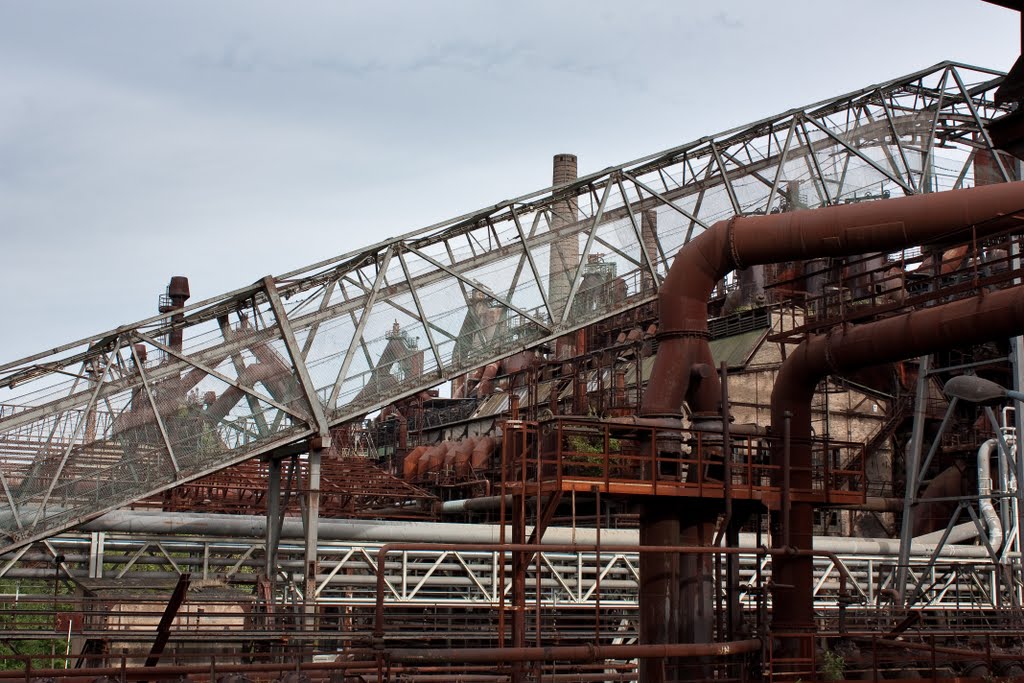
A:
(737, 350)
(492, 405)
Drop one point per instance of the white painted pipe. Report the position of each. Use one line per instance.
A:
(372, 531)
(987, 509)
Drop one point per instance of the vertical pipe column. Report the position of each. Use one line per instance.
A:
(913, 476)
(1017, 358)
(659, 587)
(519, 567)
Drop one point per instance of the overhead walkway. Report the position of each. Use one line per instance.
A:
(101, 422)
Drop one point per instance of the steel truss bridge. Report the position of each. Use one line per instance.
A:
(960, 583)
(98, 423)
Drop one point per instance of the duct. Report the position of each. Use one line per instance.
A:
(483, 450)
(985, 506)
(938, 502)
(486, 385)
(269, 375)
(411, 462)
(992, 315)
(463, 453)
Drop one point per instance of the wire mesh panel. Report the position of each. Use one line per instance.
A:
(107, 420)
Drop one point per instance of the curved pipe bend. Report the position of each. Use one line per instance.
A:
(988, 510)
(740, 242)
(982, 318)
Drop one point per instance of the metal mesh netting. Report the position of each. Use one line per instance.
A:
(107, 420)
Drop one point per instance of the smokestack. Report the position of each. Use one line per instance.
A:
(177, 294)
(565, 253)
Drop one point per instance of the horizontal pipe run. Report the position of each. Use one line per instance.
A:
(574, 653)
(370, 531)
(942, 649)
(135, 673)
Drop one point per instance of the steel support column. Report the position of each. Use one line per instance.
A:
(913, 463)
(273, 536)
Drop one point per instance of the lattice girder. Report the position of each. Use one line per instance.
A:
(110, 419)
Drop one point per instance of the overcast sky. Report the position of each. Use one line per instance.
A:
(229, 140)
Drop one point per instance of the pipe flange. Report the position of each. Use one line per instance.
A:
(684, 334)
(830, 359)
(731, 238)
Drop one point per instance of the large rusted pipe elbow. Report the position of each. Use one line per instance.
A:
(986, 317)
(827, 232)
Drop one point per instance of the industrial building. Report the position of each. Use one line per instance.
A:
(742, 409)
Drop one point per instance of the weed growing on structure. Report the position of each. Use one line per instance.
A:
(833, 666)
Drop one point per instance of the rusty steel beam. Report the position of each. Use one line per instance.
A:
(163, 629)
(573, 653)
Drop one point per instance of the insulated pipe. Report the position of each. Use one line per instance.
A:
(988, 510)
(981, 318)
(145, 522)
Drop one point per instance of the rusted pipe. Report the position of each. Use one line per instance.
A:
(268, 375)
(486, 384)
(941, 649)
(168, 670)
(985, 317)
(670, 423)
(741, 242)
(573, 653)
(832, 231)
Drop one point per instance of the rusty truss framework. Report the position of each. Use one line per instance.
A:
(101, 422)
